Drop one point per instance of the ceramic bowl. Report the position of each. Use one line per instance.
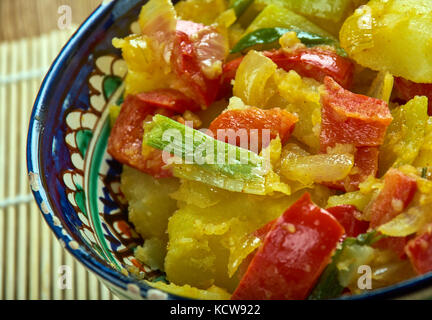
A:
(73, 179)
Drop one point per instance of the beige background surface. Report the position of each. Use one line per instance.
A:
(30, 18)
(30, 256)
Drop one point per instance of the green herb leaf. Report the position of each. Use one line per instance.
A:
(240, 6)
(329, 285)
(271, 35)
(368, 238)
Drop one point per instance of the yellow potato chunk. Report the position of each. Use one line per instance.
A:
(393, 36)
(150, 205)
(210, 235)
(146, 70)
(424, 158)
(212, 293)
(207, 230)
(405, 136)
(277, 16)
(200, 11)
(302, 97)
(330, 10)
(152, 253)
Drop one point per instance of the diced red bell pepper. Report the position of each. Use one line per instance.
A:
(395, 244)
(230, 69)
(419, 251)
(228, 74)
(336, 185)
(262, 232)
(187, 68)
(125, 141)
(407, 90)
(397, 192)
(168, 99)
(294, 253)
(365, 165)
(314, 63)
(210, 45)
(277, 121)
(349, 118)
(346, 215)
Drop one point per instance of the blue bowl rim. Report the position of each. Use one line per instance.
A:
(33, 156)
(114, 277)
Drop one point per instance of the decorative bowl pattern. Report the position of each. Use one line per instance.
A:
(74, 180)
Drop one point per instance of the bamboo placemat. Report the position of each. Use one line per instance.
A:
(30, 255)
(40, 16)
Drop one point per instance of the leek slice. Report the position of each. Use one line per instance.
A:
(199, 157)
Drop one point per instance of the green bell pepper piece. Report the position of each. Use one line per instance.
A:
(240, 6)
(271, 35)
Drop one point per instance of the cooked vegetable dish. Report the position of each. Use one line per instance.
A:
(278, 149)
